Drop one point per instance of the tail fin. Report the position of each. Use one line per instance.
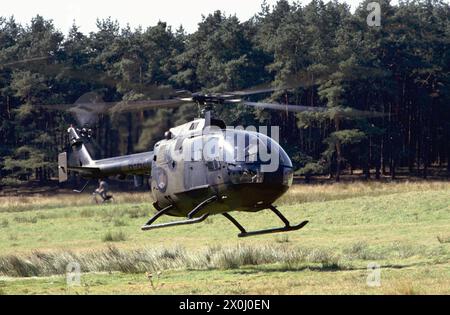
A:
(80, 156)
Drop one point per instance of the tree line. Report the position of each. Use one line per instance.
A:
(338, 62)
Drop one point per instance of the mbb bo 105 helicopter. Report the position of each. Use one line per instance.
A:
(200, 168)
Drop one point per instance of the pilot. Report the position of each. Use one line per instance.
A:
(102, 190)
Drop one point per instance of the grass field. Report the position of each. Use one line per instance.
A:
(402, 227)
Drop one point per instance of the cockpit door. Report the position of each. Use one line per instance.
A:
(195, 168)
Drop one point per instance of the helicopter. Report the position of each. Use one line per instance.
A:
(200, 168)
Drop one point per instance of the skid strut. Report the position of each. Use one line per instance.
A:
(190, 220)
(83, 188)
(201, 206)
(287, 226)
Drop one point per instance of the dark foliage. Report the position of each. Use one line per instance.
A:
(400, 69)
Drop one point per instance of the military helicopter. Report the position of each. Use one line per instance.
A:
(200, 168)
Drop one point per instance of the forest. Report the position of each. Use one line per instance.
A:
(337, 61)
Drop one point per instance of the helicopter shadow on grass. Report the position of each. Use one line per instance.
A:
(333, 267)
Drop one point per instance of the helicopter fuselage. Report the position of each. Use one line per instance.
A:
(195, 164)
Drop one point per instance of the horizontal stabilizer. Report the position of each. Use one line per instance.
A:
(62, 167)
(85, 170)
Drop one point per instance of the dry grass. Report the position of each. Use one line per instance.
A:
(325, 192)
(19, 204)
(403, 287)
(443, 238)
(296, 194)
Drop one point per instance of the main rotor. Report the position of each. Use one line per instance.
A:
(206, 101)
(88, 108)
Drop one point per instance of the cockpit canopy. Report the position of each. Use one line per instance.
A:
(240, 146)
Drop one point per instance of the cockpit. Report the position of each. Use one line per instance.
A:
(242, 156)
(250, 156)
(237, 146)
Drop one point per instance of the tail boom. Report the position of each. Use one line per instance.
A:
(79, 160)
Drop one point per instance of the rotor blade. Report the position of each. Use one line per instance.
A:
(266, 89)
(304, 78)
(234, 100)
(253, 91)
(347, 112)
(87, 113)
(115, 107)
(56, 107)
(285, 107)
(187, 99)
(20, 62)
(183, 93)
(135, 106)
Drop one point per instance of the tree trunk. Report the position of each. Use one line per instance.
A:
(130, 133)
(338, 152)
(392, 168)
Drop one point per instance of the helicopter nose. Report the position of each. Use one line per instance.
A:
(258, 190)
(282, 177)
(275, 184)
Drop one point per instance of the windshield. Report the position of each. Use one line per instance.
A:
(239, 146)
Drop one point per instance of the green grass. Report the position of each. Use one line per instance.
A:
(114, 236)
(405, 228)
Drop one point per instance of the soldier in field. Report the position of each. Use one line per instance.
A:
(102, 191)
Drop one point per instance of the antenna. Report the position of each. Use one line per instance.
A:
(207, 115)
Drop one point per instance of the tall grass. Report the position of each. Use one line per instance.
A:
(118, 236)
(151, 260)
(111, 259)
(4, 223)
(36, 202)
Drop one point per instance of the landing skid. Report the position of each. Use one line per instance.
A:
(182, 222)
(287, 226)
(190, 220)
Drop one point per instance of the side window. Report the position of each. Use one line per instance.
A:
(179, 145)
(193, 126)
(212, 149)
(161, 155)
(197, 149)
(213, 165)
